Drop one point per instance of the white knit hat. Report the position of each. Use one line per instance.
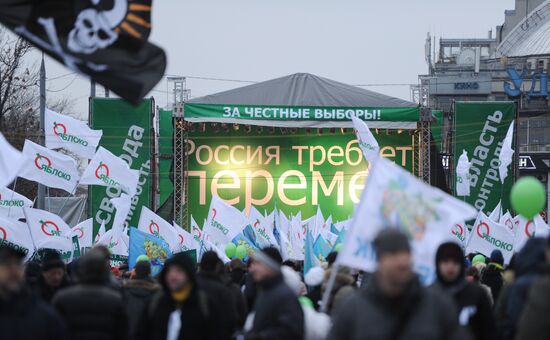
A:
(314, 277)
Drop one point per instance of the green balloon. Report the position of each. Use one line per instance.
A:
(305, 302)
(230, 249)
(528, 197)
(338, 247)
(241, 252)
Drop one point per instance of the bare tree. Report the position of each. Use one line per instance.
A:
(20, 100)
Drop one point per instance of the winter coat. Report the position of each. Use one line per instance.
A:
(474, 308)
(534, 322)
(223, 298)
(46, 292)
(529, 262)
(277, 312)
(94, 312)
(369, 314)
(24, 316)
(492, 277)
(200, 316)
(343, 287)
(136, 294)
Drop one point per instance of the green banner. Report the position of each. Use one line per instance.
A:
(436, 127)
(258, 166)
(127, 133)
(302, 113)
(480, 128)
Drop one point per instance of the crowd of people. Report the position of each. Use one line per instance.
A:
(473, 297)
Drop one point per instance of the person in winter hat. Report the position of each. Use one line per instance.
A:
(529, 263)
(472, 302)
(472, 275)
(54, 276)
(478, 262)
(277, 314)
(393, 304)
(137, 293)
(534, 322)
(181, 310)
(316, 325)
(22, 314)
(91, 309)
(492, 275)
(210, 281)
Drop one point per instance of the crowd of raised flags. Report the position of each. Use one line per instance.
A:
(392, 198)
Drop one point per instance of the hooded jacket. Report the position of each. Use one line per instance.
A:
(136, 294)
(199, 315)
(472, 303)
(534, 322)
(368, 314)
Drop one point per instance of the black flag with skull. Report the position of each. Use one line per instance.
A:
(105, 39)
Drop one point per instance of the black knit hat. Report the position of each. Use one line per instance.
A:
(143, 270)
(209, 261)
(389, 241)
(184, 262)
(10, 252)
(51, 259)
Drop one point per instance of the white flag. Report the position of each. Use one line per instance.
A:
(527, 229)
(48, 230)
(496, 213)
(51, 168)
(196, 232)
(108, 170)
(185, 240)
(508, 221)
(263, 228)
(116, 246)
(12, 202)
(207, 245)
(318, 223)
(393, 198)
(224, 222)
(463, 175)
(460, 233)
(84, 230)
(16, 233)
(100, 232)
(488, 235)
(297, 236)
(366, 140)
(70, 134)
(11, 161)
(122, 205)
(151, 223)
(506, 153)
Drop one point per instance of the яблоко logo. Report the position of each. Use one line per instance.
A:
(155, 226)
(197, 231)
(56, 127)
(102, 173)
(256, 223)
(102, 170)
(3, 233)
(527, 232)
(478, 229)
(60, 130)
(81, 232)
(458, 230)
(214, 212)
(42, 161)
(181, 238)
(49, 228)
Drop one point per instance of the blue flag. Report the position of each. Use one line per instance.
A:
(310, 260)
(321, 248)
(155, 248)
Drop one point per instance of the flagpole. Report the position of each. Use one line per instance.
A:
(40, 193)
(12, 194)
(80, 215)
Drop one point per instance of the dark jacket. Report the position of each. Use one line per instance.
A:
(277, 312)
(23, 316)
(474, 308)
(223, 298)
(199, 315)
(137, 294)
(344, 285)
(92, 312)
(368, 314)
(46, 292)
(534, 322)
(492, 277)
(529, 262)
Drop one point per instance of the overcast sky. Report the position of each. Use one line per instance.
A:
(352, 41)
